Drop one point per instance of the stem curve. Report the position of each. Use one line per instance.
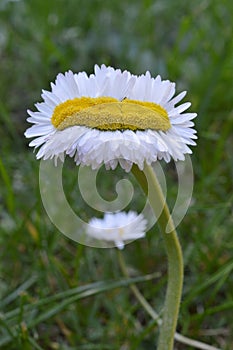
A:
(150, 185)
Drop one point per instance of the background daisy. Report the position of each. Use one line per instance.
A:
(118, 227)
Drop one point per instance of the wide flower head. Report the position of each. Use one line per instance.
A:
(109, 117)
(118, 227)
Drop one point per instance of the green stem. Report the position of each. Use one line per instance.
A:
(150, 185)
(179, 337)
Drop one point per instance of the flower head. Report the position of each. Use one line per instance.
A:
(118, 227)
(109, 117)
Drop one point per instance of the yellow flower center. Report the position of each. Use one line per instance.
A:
(107, 113)
(121, 232)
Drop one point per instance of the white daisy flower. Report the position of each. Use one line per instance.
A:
(109, 117)
(118, 227)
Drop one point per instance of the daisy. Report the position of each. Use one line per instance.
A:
(118, 227)
(111, 117)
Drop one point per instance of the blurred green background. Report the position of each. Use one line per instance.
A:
(187, 42)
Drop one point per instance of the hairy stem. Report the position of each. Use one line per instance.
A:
(150, 185)
(179, 337)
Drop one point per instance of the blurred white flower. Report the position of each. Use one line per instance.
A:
(118, 227)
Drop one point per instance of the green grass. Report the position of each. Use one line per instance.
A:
(55, 293)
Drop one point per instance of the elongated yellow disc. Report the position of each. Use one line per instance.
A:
(107, 113)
